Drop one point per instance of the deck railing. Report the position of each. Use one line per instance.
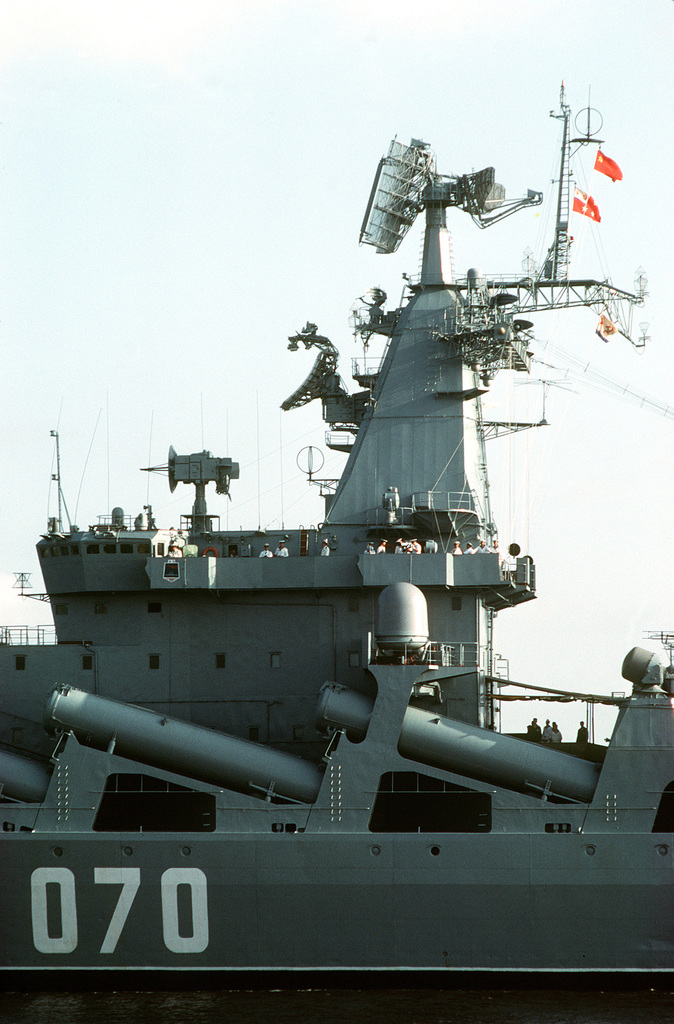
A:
(14, 636)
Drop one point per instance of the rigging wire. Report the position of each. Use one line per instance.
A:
(84, 469)
(149, 458)
(584, 373)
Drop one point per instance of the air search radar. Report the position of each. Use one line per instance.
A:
(407, 181)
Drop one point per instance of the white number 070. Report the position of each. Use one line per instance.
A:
(129, 879)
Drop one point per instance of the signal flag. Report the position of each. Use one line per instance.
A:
(606, 166)
(585, 204)
(606, 328)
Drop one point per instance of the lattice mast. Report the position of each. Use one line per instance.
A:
(556, 265)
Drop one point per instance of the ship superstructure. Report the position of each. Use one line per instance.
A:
(268, 751)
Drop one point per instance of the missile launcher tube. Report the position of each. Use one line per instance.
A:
(468, 750)
(23, 779)
(180, 747)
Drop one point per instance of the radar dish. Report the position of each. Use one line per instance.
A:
(483, 192)
(395, 198)
(173, 483)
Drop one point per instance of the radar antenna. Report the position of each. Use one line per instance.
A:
(199, 469)
(323, 379)
(406, 182)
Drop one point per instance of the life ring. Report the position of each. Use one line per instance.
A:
(207, 552)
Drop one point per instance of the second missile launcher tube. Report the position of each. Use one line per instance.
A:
(180, 747)
(467, 750)
(22, 778)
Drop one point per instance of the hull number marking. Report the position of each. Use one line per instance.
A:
(178, 887)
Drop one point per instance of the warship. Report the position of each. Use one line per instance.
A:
(250, 751)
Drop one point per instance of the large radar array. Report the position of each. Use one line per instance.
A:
(407, 181)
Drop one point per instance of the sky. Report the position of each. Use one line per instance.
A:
(182, 188)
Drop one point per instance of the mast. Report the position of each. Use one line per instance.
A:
(556, 265)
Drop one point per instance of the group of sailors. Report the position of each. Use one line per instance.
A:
(551, 733)
(481, 549)
(282, 550)
(401, 547)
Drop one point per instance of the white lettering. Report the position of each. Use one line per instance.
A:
(129, 879)
(64, 879)
(197, 941)
(185, 925)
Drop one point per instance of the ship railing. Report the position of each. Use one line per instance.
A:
(434, 652)
(341, 440)
(366, 366)
(112, 524)
(15, 636)
(384, 517)
(520, 571)
(444, 501)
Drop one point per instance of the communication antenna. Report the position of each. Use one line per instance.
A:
(56, 524)
(667, 641)
(22, 583)
(306, 461)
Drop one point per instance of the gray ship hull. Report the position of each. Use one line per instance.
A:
(294, 901)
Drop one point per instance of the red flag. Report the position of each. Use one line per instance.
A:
(585, 204)
(608, 167)
(606, 328)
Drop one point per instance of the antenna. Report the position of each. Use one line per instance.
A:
(199, 469)
(323, 379)
(556, 263)
(57, 477)
(395, 198)
(407, 182)
(56, 525)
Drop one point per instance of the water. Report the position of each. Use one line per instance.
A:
(339, 1006)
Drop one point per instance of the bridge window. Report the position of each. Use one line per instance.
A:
(20, 662)
(154, 661)
(220, 660)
